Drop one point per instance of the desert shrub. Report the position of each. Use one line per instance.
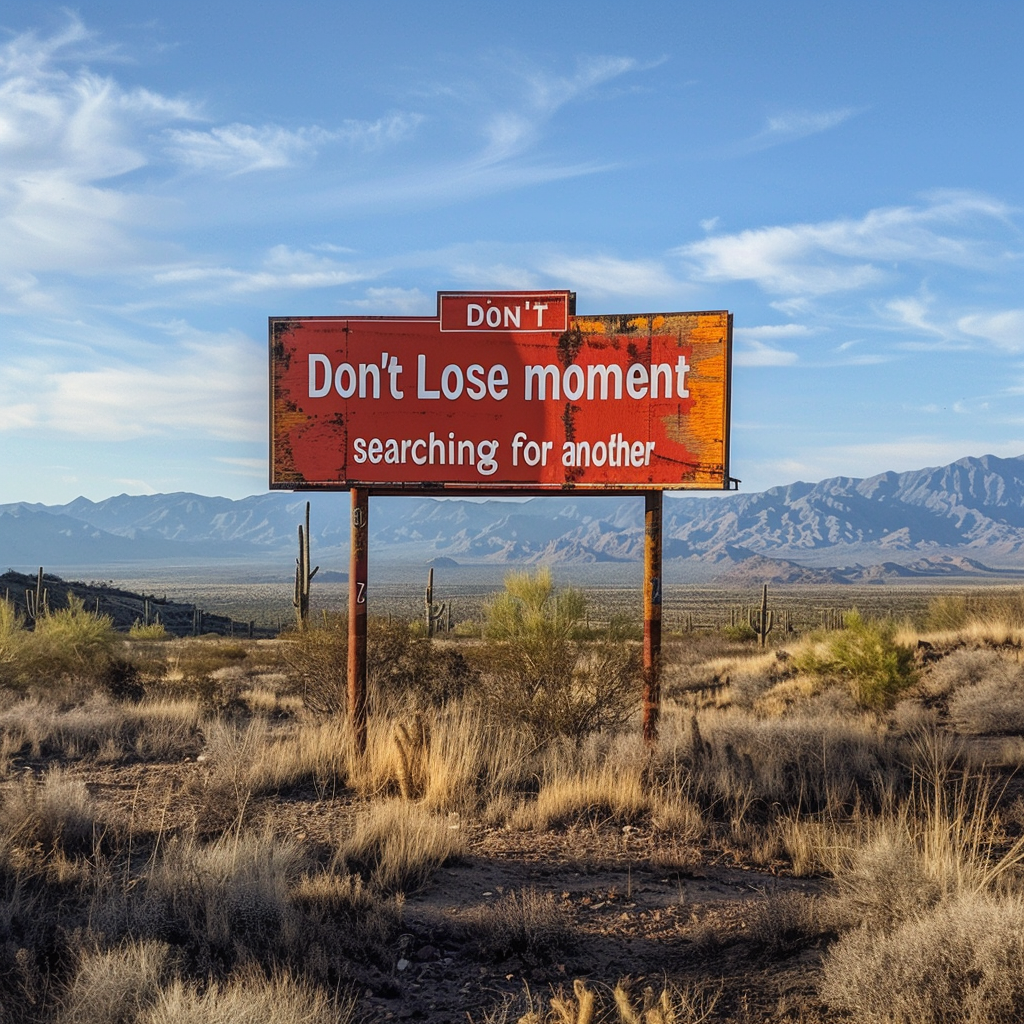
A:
(116, 986)
(54, 813)
(398, 664)
(784, 922)
(867, 655)
(960, 963)
(528, 924)
(885, 881)
(445, 676)
(394, 657)
(397, 846)
(740, 633)
(993, 707)
(964, 667)
(956, 611)
(223, 903)
(990, 697)
(539, 672)
(249, 997)
(121, 680)
(68, 643)
(317, 659)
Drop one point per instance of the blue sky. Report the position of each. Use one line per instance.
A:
(846, 178)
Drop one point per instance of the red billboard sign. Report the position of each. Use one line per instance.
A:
(501, 391)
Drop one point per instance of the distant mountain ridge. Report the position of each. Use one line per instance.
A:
(973, 507)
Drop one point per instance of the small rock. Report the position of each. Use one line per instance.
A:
(402, 964)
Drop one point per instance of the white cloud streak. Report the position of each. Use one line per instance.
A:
(808, 260)
(1004, 329)
(243, 149)
(200, 386)
(283, 268)
(791, 125)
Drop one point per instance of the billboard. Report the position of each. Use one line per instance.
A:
(501, 391)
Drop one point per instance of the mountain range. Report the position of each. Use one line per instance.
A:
(917, 523)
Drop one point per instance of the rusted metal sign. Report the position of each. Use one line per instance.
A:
(501, 391)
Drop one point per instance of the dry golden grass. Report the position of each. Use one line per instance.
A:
(48, 816)
(249, 997)
(524, 923)
(154, 729)
(254, 758)
(397, 846)
(991, 632)
(961, 961)
(453, 759)
(764, 766)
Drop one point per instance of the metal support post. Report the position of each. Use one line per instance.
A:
(652, 614)
(357, 616)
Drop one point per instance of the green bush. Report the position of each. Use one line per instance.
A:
(741, 633)
(865, 654)
(66, 643)
(539, 671)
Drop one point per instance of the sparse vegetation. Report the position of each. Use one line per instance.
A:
(868, 655)
(186, 832)
(538, 670)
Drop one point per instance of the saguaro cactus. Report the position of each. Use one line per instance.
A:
(303, 576)
(764, 619)
(36, 601)
(437, 616)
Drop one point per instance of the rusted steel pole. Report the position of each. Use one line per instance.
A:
(652, 614)
(357, 616)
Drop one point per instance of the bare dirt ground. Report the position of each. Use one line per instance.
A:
(632, 910)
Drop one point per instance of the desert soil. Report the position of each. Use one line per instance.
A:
(631, 915)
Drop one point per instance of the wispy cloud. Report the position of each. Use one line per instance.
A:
(200, 385)
(66, 137)
(851, 254)
(395, 301)
(507, 118)
(791, 125)
(757, 353)
(758, 346)
(1004, 329)
(604, 275)
(71, 140)
(282, 268)
(243, 149)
